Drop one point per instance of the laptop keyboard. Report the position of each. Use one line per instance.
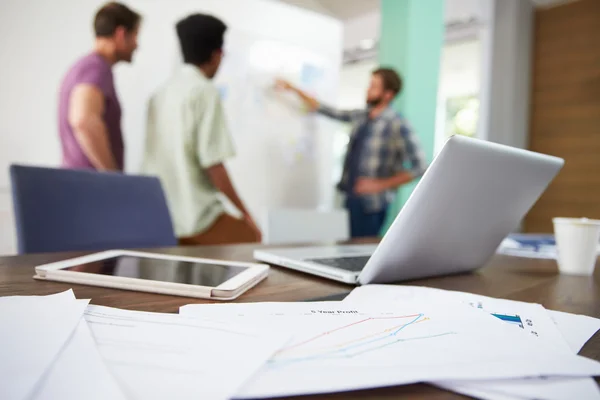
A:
(354, 264)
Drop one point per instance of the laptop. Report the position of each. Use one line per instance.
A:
(470, 198)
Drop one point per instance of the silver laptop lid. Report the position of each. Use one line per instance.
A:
(472, 196)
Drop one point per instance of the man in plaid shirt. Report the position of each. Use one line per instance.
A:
(383, 152)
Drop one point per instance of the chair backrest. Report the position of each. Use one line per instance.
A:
(74, 210)
(287, 225)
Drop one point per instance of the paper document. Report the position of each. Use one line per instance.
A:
(527, 317)
(531, 319)
(576, 329)
(549, 388)
(160, 356)
(79, 372)
(338, 347)
(35, 329)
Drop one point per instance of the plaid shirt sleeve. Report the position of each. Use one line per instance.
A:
(341, 115)
(412, 149)
(377, 151)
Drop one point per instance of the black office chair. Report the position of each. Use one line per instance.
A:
(72, 210)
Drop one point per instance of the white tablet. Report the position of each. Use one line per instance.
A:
(157, 273)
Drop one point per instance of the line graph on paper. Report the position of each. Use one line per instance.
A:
(360, 338)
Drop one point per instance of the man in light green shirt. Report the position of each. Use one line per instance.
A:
(187, 141)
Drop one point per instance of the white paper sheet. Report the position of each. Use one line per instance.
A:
(530, 318)
(34, 330)
(160, 356)
(337, 347)
(549, 388)
(576, 329)
(79, 372)
(526, 317)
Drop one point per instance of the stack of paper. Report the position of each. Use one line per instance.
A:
(55, 347)
(556, 329)
(387, 335)
(47, 351)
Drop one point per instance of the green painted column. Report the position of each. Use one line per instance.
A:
(411, 40)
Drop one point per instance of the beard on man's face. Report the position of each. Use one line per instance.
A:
(374, 101)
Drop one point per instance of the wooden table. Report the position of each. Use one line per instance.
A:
(506, 277)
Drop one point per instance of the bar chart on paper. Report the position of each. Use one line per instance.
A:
(511, 319)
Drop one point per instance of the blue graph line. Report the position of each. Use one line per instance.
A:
(397, 331)
(336, 353)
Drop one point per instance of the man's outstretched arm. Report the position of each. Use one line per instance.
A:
(315, 105)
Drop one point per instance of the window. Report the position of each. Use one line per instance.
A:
(458, 93)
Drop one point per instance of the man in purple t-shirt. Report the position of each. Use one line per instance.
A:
(89, 115)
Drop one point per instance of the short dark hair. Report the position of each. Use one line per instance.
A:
(391, 79)
(199, 36)
(113, 15)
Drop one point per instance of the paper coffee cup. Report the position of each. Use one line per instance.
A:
(576, 244)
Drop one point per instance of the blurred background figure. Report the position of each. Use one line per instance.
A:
(89, 115)
(187, 142)
(381, 141)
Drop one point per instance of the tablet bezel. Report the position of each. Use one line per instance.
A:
(227, 290)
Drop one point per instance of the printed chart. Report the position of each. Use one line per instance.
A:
(510, 318)
(358, 338)
(339, 347)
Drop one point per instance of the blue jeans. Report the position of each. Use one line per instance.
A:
(362, 223)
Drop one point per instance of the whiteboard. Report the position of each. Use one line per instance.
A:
(283, 152)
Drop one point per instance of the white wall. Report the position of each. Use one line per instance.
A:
(367, 26)
(354, 82)
(38, 47)
(7, 233)
(312, 5)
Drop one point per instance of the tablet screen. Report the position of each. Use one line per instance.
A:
(176, 271)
